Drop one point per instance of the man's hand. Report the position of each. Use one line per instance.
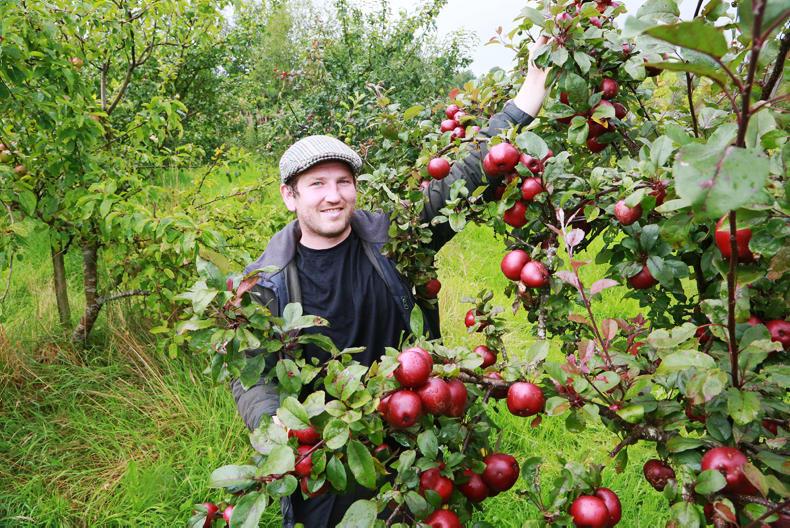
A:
(532, 93)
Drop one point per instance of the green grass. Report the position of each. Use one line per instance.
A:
(116, 436)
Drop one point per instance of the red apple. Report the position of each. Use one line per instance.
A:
(742, 237)
(516, 216)
(431, 288)
(432, 479)
(451, 111)
(497, 392)
(594, 146)
(564, 98)
(729, 461)
(534, 274)
(20, 170)
(227, 513)
(658, 473)
(435, 396)
(595, 129)
(471, 318)
(620, 111)
(458, 396)
(659, 191)
(438, 168)
(500, 159)
(597, 22)
(525, 399)
(211, 513)
(548, 155)
(443, 519)
(458, 132)
(448, 125)
(403, 409)
(512, 263)
(413, 369)
(612, 503)
(589, 511)
(642, 280)
(304, 467)
(501, 472)
(383, 404)
(780, 332)
(474, 489)
(308, 436)
(530, 188)
(534, 165)
(609, 88)
(627, 215)
(424, 353)
(489, 357)
(76, 62)
(459, 115)
(753, 320)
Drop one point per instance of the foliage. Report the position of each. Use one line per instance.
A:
(691, 376)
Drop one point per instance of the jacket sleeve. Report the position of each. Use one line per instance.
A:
(470, 169)
(263, 397)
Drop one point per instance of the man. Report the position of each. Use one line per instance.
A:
(330, 261)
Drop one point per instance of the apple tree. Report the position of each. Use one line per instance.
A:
(689, 203)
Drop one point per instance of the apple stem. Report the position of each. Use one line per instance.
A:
(731, 284)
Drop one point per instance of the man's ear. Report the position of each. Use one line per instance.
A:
(288, 197)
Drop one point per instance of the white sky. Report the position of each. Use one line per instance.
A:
(484, 16)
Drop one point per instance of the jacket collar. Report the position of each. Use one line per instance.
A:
(281, 249)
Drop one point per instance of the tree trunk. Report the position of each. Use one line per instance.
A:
(61, 288)
(90, 281)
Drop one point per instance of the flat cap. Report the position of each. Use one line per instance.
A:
(312, 150)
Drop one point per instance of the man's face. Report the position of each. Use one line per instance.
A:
(323, 198)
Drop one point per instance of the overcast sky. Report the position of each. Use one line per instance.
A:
(483, 17)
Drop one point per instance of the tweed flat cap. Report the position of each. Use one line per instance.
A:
(312, 150)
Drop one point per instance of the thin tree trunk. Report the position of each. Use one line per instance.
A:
(61, 288)
(90, 281)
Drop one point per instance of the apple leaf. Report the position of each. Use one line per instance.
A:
(601, 284)
(280, 460)
(361, 514)
(584, 61)
(428, 444)
(292, 414)
(336, 433)
(417, 504)
(336, 473)
(709, 481)
(416, 322)
(251, 373)
(684, 360)
(248, 511)
(678, 444)
(282, 487)
(743, 406)
(361, 463)
(691, 67)
(232, 476)
(696, 34)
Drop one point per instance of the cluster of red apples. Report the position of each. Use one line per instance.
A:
(439, 167)
(598, 126)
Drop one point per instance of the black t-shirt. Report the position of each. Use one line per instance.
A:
(341, 285)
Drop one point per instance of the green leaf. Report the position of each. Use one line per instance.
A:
(322, 341)
(200, 295)
(292, 414)
(268, 435)
(412, 111)
(336, 433)
(537, 352)
(428, 444)
(282, 487)
(228, 476)
(661, 150)
(677, 444)
(360, 462)
(710, 481)
(532, 143)
(190, 325)
(696, 68)
(685, 359)
(584, 61)
(406, 460)
(288, 376)
(416, 321)
(336, 473)
(315, 403)
(281, 460)
(717, 180)
(361, 514)
(696, 34)
(251, 373)
(27, 201)
(248, 511)
(417, 504)
(744, 407)
(687, 515)
(634, 413)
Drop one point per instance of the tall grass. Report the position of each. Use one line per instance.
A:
(114, 435)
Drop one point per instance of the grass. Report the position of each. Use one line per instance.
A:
(116, 436)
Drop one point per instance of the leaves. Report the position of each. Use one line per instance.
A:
(743, 406)
(428, 444)
(697, 35)
(361, 464)
(361, 514)
(710, 481)
(716, 180)
(248, 511)
(227, 476)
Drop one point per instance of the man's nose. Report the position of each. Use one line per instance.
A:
(332, 193)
